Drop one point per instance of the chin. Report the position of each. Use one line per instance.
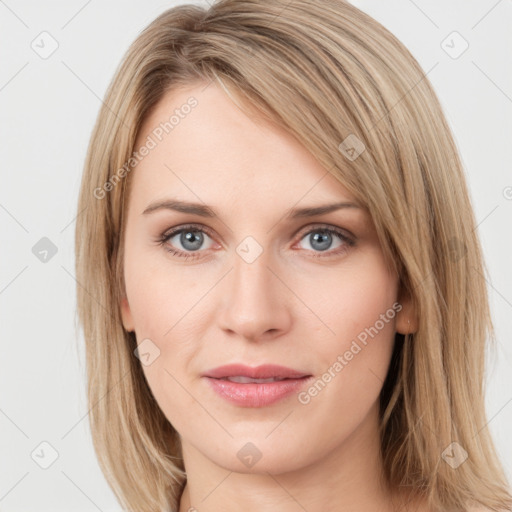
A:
(260, 457)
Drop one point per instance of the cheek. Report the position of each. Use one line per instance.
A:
(361, 312)
(164, 308)
(159, 294)
(160, 317)
(355, 297)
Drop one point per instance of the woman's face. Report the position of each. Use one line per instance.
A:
(253, 280)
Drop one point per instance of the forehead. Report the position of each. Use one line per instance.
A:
(204, 147)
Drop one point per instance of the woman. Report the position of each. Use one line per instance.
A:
(283, 302)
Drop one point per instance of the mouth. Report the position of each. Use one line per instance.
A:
(255, 387)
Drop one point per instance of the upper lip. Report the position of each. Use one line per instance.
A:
(264, 371)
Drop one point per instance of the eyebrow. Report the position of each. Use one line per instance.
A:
(205, 211)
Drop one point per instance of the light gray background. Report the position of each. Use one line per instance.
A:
(48, 107)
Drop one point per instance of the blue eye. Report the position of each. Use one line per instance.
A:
(191, 239)
(320, 240)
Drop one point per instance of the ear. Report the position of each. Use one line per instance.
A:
(126, 315)
(406, 319)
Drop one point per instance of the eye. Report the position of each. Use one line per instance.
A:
(185, 241)
(189, 241)
(322, 238)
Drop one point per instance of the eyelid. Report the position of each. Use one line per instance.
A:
(182, 227)
(347, 235)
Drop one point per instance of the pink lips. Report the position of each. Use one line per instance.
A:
(255, 394)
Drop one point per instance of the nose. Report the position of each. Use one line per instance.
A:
(255, 302)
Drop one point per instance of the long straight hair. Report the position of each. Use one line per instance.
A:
(336, 79)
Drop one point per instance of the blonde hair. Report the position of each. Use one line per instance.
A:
(324, 71)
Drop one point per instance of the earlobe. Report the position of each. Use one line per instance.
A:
(406, 319)
(126, 315)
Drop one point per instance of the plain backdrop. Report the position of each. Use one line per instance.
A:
(48, 106)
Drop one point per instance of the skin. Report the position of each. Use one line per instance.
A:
(287, 307)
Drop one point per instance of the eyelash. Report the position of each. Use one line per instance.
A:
(166, 236)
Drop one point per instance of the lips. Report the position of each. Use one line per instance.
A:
(246, 374)
(260, 386)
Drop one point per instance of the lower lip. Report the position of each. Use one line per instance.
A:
(256, 395)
